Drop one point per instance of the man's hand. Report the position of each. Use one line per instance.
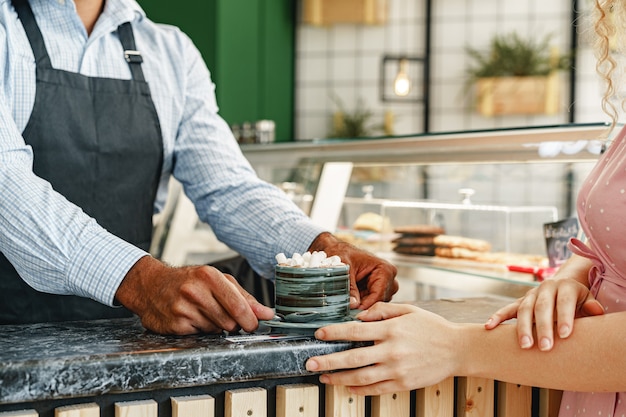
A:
(371, 279)
(188, 300)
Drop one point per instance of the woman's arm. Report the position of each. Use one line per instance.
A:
(414, 348)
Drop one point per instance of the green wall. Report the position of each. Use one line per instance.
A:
(249, 49)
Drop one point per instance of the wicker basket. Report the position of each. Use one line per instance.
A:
(328, 12)
(518, 95)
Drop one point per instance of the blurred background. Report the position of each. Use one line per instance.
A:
(311, 65)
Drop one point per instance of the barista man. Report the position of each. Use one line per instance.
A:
(99, 106)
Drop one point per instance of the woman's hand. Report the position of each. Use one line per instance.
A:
(564, 298)
(412, 348)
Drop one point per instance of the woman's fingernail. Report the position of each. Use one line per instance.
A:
(488, 321)
(324, 379)
(545, 344)
(563, 331)
(353, 302)
(312, 365)
(526, 342)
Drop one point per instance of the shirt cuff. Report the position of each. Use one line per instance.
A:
(100, 264)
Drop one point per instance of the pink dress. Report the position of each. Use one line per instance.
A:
(602, 214)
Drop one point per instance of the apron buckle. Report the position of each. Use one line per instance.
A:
(133, 57)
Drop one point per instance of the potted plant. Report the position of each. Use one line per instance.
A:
(517, 76)
(355, 124)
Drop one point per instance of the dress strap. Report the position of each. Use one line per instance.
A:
(597, 270)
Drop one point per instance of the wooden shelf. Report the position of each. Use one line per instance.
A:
(329, 12)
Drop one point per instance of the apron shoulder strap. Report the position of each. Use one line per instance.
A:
(26, 16)
(131, 54)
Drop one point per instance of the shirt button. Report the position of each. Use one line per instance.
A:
(61, 2)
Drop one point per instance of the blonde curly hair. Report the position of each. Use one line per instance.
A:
(608, 14)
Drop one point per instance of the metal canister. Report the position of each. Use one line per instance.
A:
(265, 131)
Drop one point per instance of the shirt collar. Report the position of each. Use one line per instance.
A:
(117, 12)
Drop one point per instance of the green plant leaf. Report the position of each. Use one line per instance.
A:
(355, 124)
(511, 55)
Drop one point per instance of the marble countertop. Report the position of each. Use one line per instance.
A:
(58, 360)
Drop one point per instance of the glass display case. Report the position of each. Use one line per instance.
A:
(498, 186)
(511, 229)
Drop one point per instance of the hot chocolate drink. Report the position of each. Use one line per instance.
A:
(306, 293)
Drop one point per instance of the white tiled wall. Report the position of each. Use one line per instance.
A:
(345, 60)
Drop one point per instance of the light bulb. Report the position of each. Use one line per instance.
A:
(402, 84)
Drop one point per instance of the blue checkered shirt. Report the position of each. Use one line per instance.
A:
(53, 245)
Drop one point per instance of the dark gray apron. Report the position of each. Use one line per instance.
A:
(98, 142)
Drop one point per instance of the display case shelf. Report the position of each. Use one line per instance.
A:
(513, 144)
(426, 278)
(514, 171)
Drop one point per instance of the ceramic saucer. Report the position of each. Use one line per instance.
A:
(280, 326)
